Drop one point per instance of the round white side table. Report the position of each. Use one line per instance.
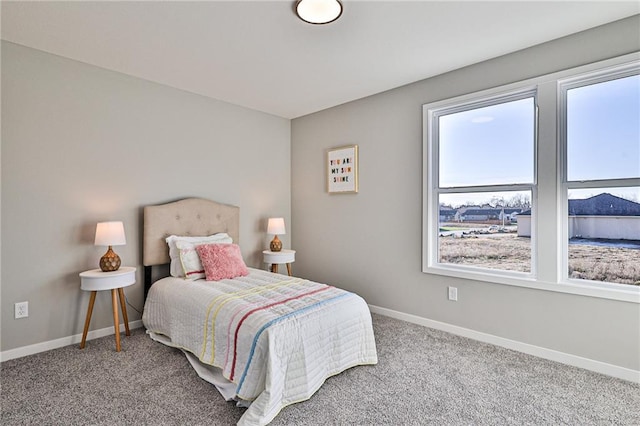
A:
(274, 258)
(96, 280)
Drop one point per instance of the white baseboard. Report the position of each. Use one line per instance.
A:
(63, 341)
(550, 354)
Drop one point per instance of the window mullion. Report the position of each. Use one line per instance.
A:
(486, 188)
(603, 183)
(546, 250)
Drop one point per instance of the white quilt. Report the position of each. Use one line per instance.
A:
(276, 338)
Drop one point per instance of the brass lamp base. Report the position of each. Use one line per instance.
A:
(276, 244)
(110, 261)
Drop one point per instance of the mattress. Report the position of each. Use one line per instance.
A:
(274, 339)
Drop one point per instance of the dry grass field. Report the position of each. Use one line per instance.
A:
(513, 253)
(611, 264)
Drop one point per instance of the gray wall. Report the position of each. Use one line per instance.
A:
(81, 145)
(370, 242)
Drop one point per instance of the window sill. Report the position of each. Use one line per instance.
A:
(618, 292)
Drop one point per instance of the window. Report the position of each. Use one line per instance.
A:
(483, 177)
(600, 114)
(537, 183)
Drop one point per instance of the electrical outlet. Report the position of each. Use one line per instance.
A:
(453, 293)
(22, 310)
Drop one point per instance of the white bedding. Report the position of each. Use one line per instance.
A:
(276, 338)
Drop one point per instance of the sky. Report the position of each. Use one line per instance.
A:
(603, 142)
(495, 143)
(603, 130)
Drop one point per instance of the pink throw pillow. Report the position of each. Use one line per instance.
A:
(221, 261)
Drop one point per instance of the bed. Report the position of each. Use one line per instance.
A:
(263, 339)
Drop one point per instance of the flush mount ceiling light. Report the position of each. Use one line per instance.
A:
(318, 11)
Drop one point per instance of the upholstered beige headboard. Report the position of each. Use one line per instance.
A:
(190, 217)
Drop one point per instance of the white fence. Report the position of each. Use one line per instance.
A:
(609, 227)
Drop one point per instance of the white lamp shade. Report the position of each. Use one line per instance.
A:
(276, 226)
(319, 11)
(110, 234)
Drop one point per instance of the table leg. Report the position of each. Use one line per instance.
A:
(114, 302)
(274, 267)
(92, 300)
(289, 268)
(123, 305)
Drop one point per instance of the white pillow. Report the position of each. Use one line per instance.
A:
(176, 269)
(190, 259)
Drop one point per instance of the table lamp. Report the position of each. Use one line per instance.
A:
(276, 227)
(110, 234)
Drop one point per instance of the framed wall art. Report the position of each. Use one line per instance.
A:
(342, 170)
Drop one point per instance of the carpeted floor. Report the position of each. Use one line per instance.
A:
(424, 377)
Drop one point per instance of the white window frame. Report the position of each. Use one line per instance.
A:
(433, 112)
(549, 244)
(564, 85)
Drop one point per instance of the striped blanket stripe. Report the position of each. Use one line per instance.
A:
(228, 297)
(275, 321)
(280, 302)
